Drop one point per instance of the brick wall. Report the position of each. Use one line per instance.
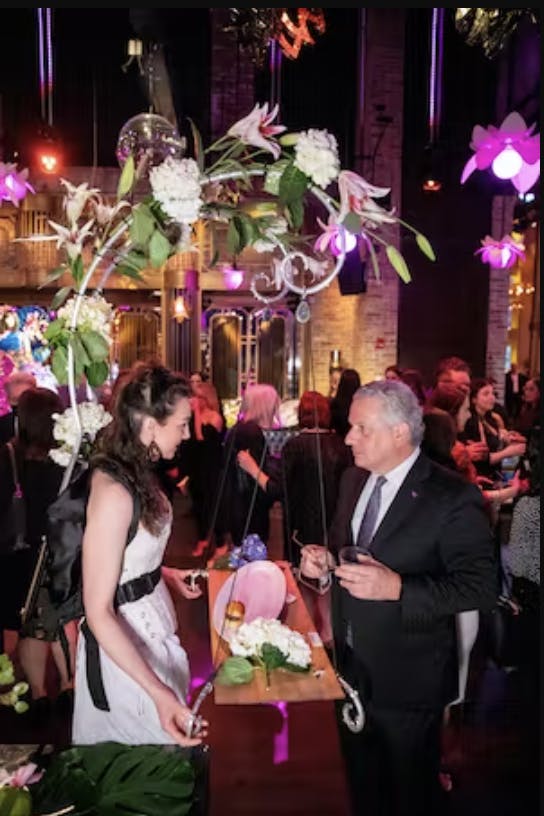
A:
(364, 327)
(499, 283)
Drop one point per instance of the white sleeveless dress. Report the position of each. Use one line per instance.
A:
(151, 624)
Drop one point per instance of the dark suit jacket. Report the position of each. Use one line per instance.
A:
(436, 535)
(512, 401)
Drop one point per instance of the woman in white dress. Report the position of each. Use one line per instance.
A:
(132, 674)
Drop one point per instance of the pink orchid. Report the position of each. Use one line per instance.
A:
(500, 254)
(13, 184)
(512, 151)
(255, 129)
(23, 776)
(356, 195)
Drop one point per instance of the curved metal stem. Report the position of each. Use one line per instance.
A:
(100, 253)
(353, 713)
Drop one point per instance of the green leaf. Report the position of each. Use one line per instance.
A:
(197, 144)
(374, 260)
(272, 657)
(60, 297)
(234, 239)
(81, 357)
(425, 246)
(129, 272)
(159, 249)
(53, 330)
(214, 259)
(144, 780)
(352, 222)
(295, 213)
(143, 225)
(59, 364)
(398, 263)
(126, 180)
(96, 346)
(293, 184)
(97, 373)
(54, 275)
(78, 270)
(235, 671)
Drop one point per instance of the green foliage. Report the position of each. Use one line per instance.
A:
(425, 246)
(159, 248)
(15, 802)
(60, 297)
(293, 184)
(110, 779)
(235, 671)
(127, 177)
(398, 263)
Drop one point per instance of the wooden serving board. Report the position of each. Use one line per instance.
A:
(284, 685)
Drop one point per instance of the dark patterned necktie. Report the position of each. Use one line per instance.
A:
(368, 522)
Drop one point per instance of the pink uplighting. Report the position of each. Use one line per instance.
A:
(233, 277)
(501, 254)
(13, 183)
(512, 151)
(343, 241)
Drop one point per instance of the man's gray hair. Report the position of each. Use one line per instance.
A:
(400, 405)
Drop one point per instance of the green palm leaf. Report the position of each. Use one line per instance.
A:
(112, 779)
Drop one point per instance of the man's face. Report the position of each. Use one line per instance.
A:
(376, 446)
(461, 379)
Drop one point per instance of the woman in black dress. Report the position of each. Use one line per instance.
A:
(40, 479)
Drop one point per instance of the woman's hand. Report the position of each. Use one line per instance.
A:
(177, 720)
(175, 580)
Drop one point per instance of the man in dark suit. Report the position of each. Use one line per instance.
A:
(430, 556)
(513, 389)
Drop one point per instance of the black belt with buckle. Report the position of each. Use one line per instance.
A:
(127, 592)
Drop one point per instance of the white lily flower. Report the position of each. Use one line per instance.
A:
(75, 199)
(255, 129)
(72, 238)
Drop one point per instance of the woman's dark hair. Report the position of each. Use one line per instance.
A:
(35, 411)
(348, 385)
(439, 436)
(153, 391)
(314, 410)
(414, 379)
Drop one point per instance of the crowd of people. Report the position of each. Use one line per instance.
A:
(411, 479)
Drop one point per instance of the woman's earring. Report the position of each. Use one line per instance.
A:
(153, 452)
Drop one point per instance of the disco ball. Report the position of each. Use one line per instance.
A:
(151, 135)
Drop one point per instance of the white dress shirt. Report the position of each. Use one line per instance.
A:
(389, 490)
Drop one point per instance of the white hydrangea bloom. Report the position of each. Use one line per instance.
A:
(176, 185)
(249, 638)
(316, 155)
(95, 314)
(93, 416)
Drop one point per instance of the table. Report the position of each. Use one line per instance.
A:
(284, 685)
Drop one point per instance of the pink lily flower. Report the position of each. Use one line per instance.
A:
(512, 151)
(25, 775)
(501, 254)
(356, 195)
(255, 129)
